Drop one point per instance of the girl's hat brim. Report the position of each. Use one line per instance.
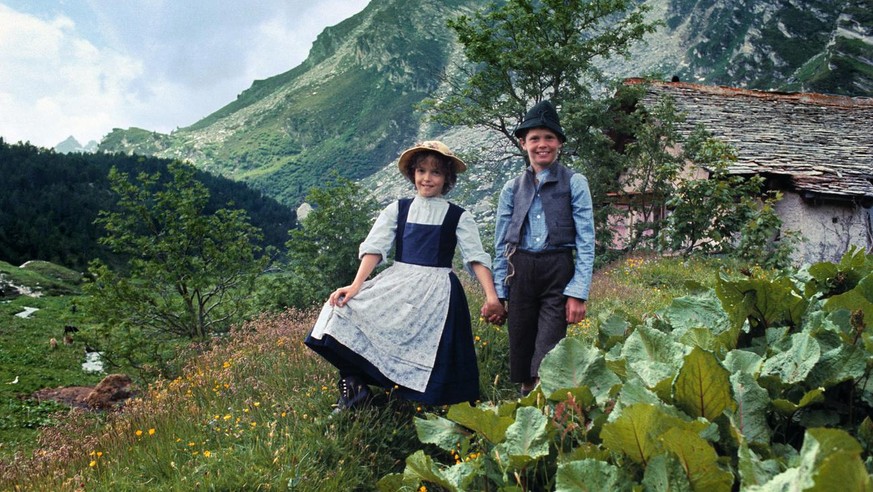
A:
(432, 146)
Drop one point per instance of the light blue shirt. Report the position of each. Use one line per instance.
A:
(534, 235)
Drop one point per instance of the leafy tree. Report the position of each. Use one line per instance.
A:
(323, 251)
(190, 274)
(726, 213)
(523, 51)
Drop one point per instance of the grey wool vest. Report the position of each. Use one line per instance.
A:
(555, 195)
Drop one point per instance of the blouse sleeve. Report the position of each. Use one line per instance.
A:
(381, 237)
(470, 244)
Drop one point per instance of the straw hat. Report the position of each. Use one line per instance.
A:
(433, 146)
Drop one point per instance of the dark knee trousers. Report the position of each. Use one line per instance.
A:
(537, 309)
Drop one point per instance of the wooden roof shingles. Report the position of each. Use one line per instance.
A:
(822, 144)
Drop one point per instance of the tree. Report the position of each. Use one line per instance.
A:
(323, 251)
(189, 275)
(523, 51)
(725, 213)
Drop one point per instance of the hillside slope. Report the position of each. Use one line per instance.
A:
(350, 106)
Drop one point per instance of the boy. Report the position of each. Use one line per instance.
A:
(544, 216)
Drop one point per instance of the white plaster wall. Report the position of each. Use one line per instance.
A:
(827, 230)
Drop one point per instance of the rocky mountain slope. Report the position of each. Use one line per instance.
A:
(350, 107)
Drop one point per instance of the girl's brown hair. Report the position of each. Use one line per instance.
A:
(445, 165)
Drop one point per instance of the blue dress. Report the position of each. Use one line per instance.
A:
(423, 259)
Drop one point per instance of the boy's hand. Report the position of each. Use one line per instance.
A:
(576, 310)
(494, 312)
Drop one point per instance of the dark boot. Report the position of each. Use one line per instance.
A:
(353, 393)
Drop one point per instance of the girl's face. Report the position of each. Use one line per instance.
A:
(542, 146)
(429, 178)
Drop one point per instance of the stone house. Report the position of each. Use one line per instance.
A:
(816, 149)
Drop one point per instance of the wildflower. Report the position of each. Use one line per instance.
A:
(191, 444)
(99, 453)
(227, 417)
(226, 365)
(151, 432)
(138, 433)
(284, 414)
(93, 463)
(422, 489)
(207, 453)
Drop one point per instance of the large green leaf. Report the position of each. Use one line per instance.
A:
(766, 301)
(788, 407)
(702, 310)
(860, 297)
(635, 433)
(572, 364)
(591, 475)
(743, 361)
(841, 364)
(699, 460)
(830, 459)
(441, 432)
(752, 405)
(793, 365)
(664, 473)
(702, 388)
(653, 356)
(526, 439)
(485, 422)
(421, 467)
(752, 469)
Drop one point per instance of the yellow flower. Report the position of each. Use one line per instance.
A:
(138, 433)
(207, 453)
(151, 432)
(191, 444)
(92, 464)
(284, 414)
(99, 453)
(226, 365)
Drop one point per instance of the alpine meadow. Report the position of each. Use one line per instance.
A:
(157, 289)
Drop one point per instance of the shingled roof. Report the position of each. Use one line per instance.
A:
(821, 145)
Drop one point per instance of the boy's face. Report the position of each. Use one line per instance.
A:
(429, 178)
(542, 146)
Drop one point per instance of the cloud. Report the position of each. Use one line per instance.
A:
(152, 64)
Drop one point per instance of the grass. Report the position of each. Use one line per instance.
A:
(253, 411)
(27, 358)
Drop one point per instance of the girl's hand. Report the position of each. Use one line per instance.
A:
(342, 295)
(494, 312)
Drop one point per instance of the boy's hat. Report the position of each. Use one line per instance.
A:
(543, 115)
(430, 145)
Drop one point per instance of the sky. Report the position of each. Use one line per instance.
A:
(83, 67)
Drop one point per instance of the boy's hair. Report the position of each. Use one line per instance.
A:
(444, 164)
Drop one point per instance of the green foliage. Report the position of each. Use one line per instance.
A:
(778, 407)
(522, 51)
(323, 251)
(49, 203)
(709, 215)
(190, 273)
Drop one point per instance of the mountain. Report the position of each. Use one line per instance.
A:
(350, 106)
(72, 145)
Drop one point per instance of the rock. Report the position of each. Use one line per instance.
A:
(114, 389)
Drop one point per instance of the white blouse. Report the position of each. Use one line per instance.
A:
(428, 211)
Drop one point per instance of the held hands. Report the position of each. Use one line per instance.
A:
(494, 312)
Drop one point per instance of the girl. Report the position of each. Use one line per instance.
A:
(409, 327)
